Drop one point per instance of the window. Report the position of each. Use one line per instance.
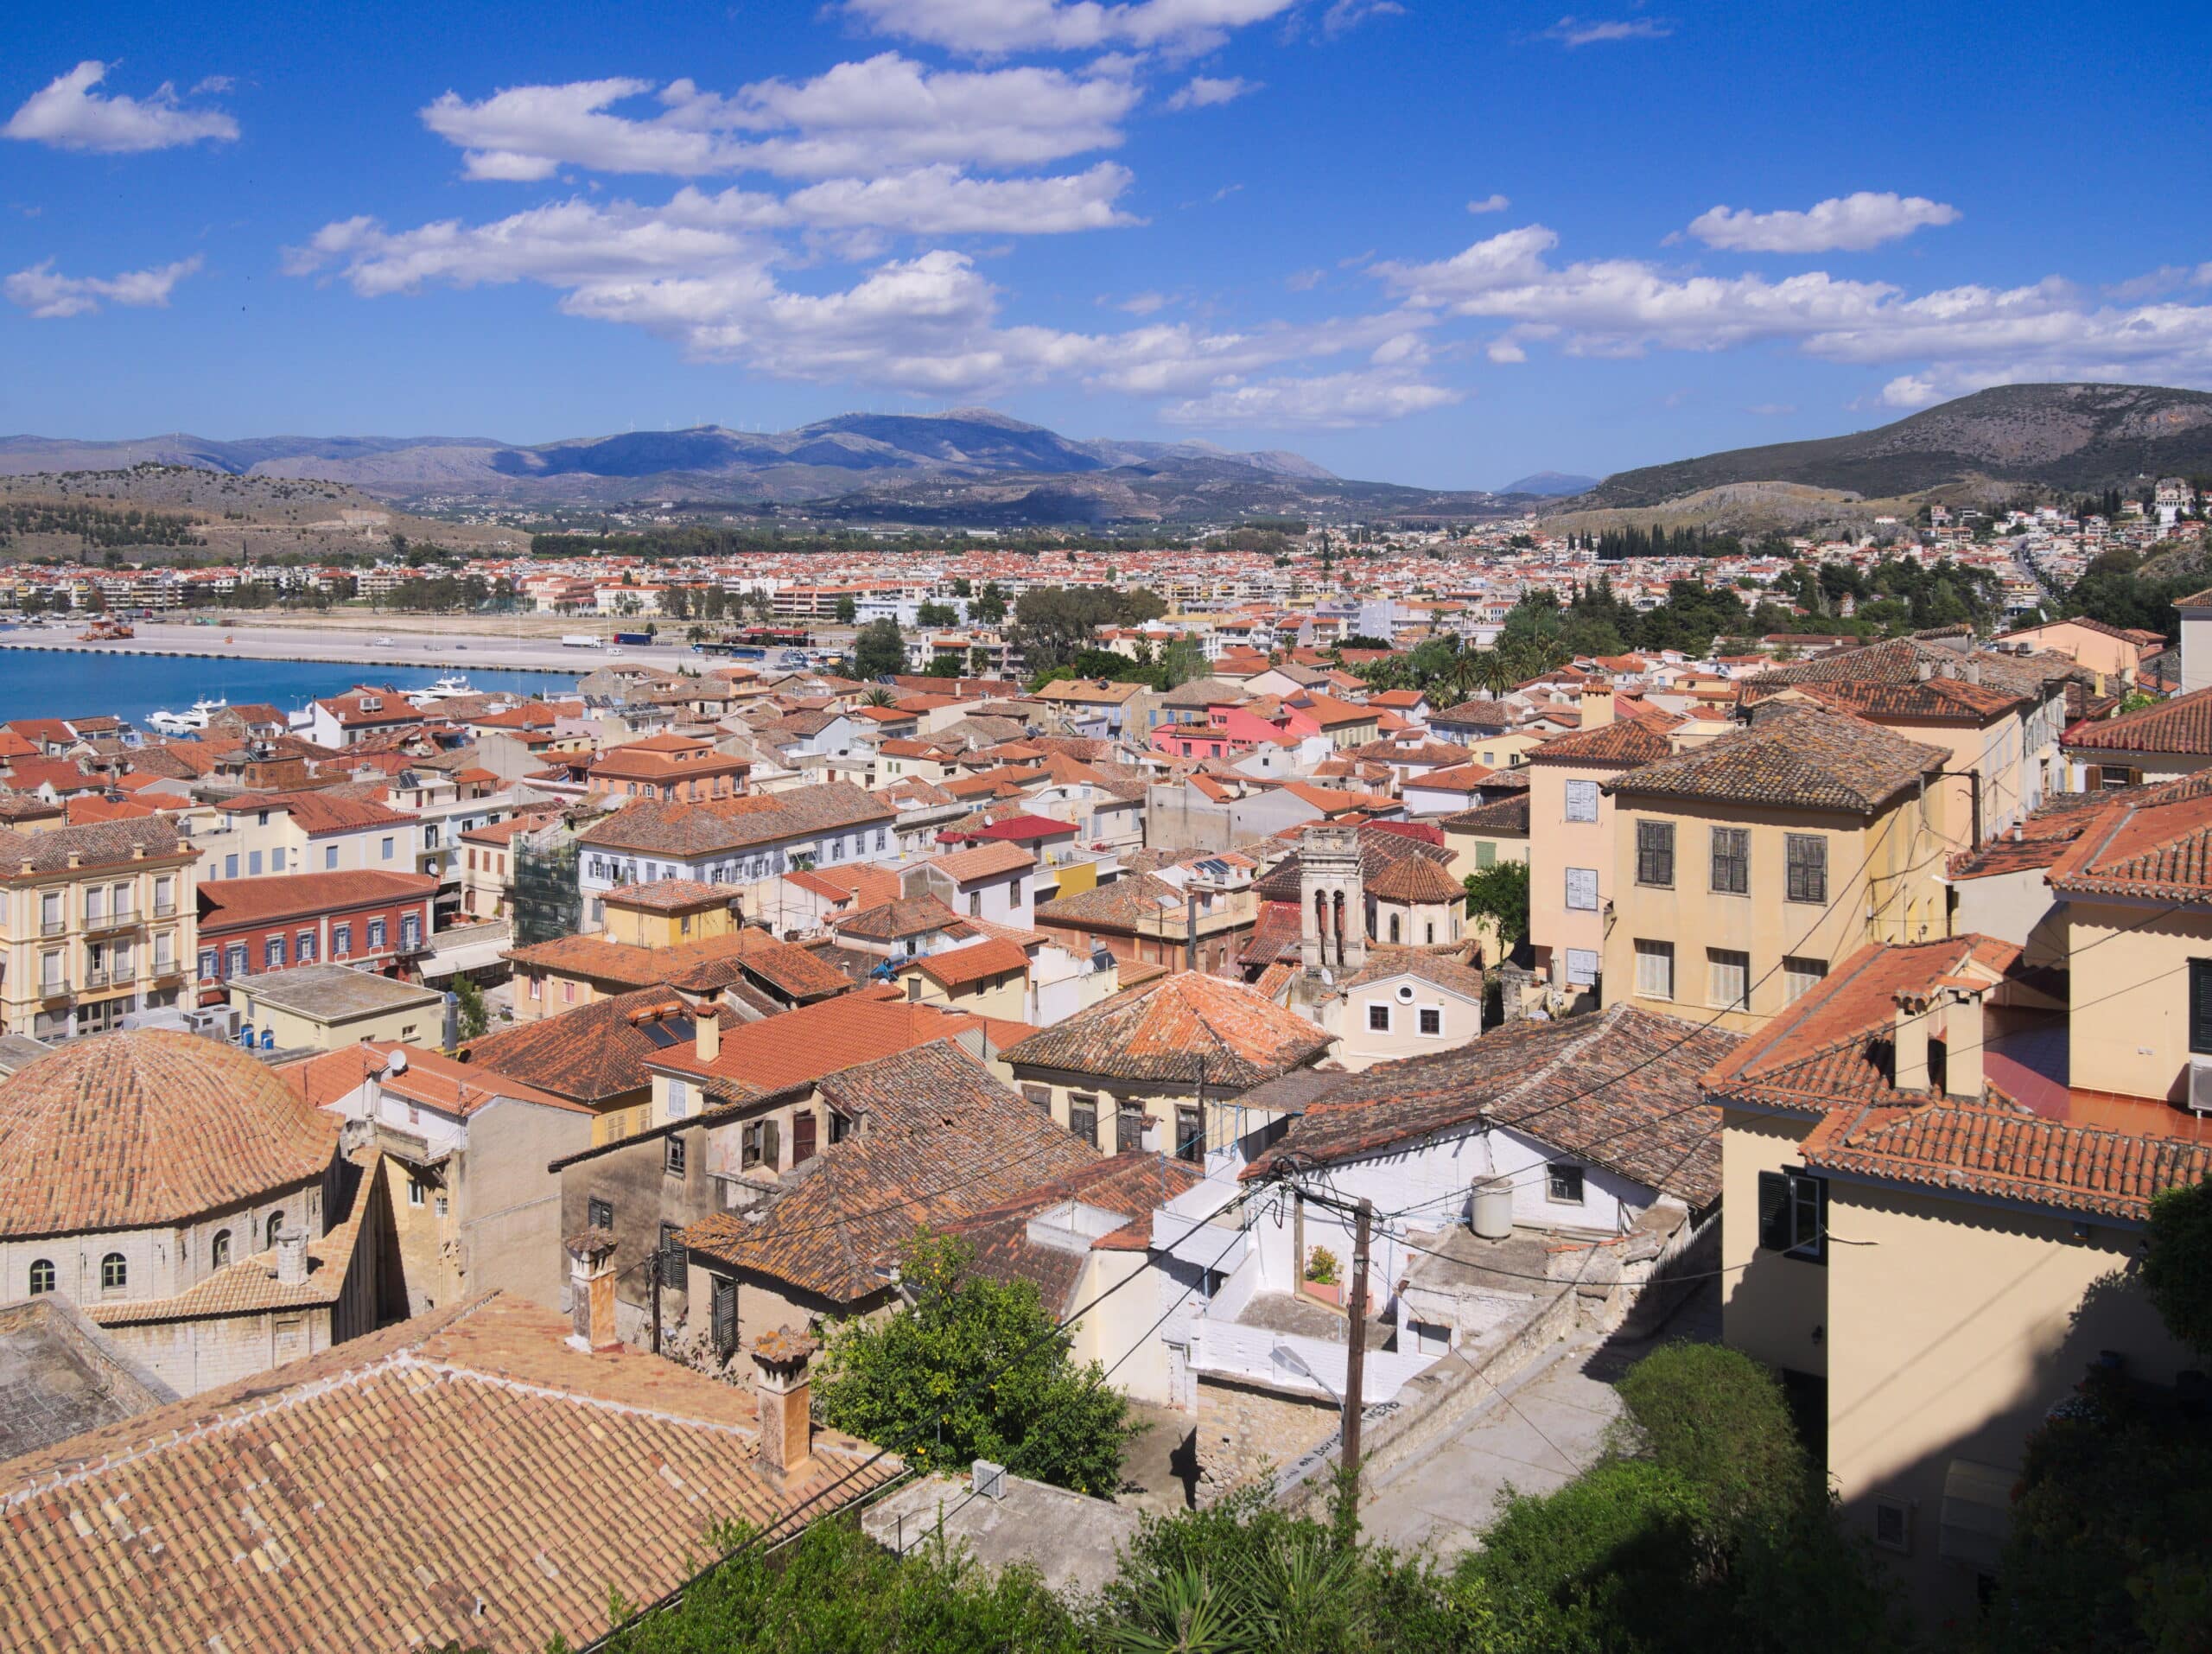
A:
(414, 1191)
(1083, 1116)
(974, 904)
(376, 933)
(341, 943)
(443, 1208)
(253, 864)
(1582, 801)
(679, 1099)
(1581, 967)
(1800, 977)
(1727, 979)
(95, 904)
(671, 1256)
(49, 919)
(386, 849)
(44, 1278)
(234, 959)
(1394, 928)
(567, 993)
(760, 1143)
(722, 1316)
(273, 954)
(672, 1154)
(231, 865)
(411, 930)
(208, 957)
(1040, 1096)
(329, 857)
(1732, 861)
(1191, 1135)
(1654, 854)
(49, 972)
(164, 896)
(2200, 1005)
(115, 1274)
(219, 1253)
(1378, 1019)
(1793, 1215)
(1808, 868)
(304, 952)
(1432, 1020)
(276, 861)
(1893, 1525)
(1655, 969)
(599, 1213)
(1129, 1128)
(1563, 1184)
(276, 1226)
(1486, 855)
(804, 1130)
(1582, 889)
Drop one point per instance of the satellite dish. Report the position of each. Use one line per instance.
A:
(398, 1063)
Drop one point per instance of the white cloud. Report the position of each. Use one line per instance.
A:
(1182, 27)
(1571, 32)
(1203, 93)
(1617, 307)
(941, 201)
(44, 293)
(1332, 401)
(67, 114)
(1909, 390)
(1143, 304)
(701, 271)
(1344, 15)
(880, 114)
(1850, 223)
(1491, 203)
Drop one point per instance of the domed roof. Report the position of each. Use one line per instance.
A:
(142, 1129)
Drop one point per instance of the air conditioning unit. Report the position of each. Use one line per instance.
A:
(216, 1022)
(2199, 1098)
(987, 1480)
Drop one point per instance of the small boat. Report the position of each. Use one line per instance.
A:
(451, 687)
(185, 724)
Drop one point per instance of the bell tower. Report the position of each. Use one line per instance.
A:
(1331, 901)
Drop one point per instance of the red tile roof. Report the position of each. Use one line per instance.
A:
(299, 896)
(2182, 726)
(979, 961)
(806, 1044)
(1186, 1028)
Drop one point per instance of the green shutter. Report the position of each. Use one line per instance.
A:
(1773, 1212)
(2200, 1005)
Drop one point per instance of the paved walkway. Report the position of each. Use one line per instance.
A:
(1547, 1425)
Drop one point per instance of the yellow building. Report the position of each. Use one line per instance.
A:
(1744, 868)
(1571, 837)
(100, 920)
(1934, 1236)
(990, 978)
(324, 1007)
(668, 912)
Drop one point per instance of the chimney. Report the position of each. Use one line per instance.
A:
(786, 1400)
(291, 1257)
(591, 1291)
(1963, 1044)
(709, 1025)
(1597, 703)
(1974, 671)
(1909, 1039)
(1924, 670)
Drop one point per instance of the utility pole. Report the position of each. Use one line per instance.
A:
(1356, 1355)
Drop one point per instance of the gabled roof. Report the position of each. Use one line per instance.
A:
(984, 861)
(465, 1478)
(975, 962)
(596, 1053)
(939, 1139)
(720, 825)
(2156, 845)
(2182, 726)
(1186, 1028)
(1811, 760)
(1618, 1089)
(1623, 743)
(1134, 1184)
(894, 920)
(800, 1046)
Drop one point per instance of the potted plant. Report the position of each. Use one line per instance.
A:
(1322, 1276)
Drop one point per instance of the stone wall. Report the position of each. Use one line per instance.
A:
(1246, 1431)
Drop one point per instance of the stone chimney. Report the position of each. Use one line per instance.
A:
(1597, 703)
(1909, 1039)
(291, 1257)
(786, 1399)
(591, 1291)
(710, 1032)
(1963, 1042)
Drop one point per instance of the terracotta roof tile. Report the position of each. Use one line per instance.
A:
(1811, 760)
(1177, 1029)
(2181, 726)
(958, 967)
(593, 1054)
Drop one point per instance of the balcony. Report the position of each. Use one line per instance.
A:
(100, 976)
(106, 924)
(53, 926)
(165, 909)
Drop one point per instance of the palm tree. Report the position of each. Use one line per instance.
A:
(1493, 672)
(877, 696)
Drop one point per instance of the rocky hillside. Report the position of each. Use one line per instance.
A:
(2065, 438)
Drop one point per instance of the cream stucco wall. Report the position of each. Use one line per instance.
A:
(1953, 1328)
(1882, 885)
(1401, 999)
(2130, 1027)
(1774, 1308)
(1556, 844)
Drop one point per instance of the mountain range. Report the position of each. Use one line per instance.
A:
(972, 465)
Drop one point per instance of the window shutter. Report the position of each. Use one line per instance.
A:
(2200, 1005)
(1773, 1212)
(725, 1316)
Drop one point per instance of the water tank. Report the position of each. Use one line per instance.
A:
(1490, 1208)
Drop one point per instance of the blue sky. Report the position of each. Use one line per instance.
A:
(1435, 244)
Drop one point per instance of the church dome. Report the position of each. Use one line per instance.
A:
(148, 1129)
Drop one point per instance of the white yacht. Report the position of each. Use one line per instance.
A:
(185, 724)
(451, 687)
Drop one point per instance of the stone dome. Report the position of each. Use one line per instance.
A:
(148, 1129)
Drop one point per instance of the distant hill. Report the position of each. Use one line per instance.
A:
(2068, 438)
(969, 465)
(1550, 485)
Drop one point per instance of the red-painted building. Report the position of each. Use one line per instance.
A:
(377, 921)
